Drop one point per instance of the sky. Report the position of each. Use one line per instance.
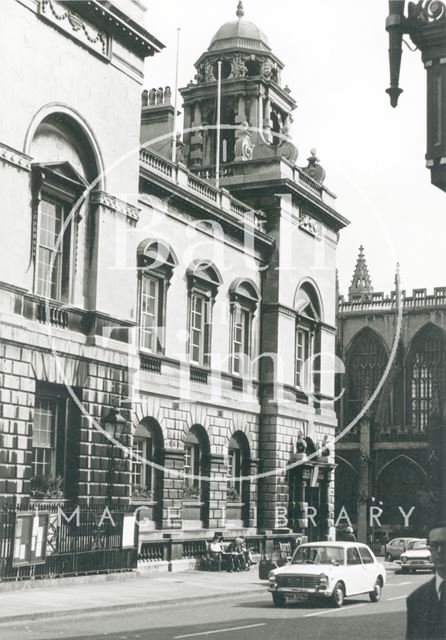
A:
(336, 64)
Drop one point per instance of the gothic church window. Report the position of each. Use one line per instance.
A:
(366, 360)
(426, 376)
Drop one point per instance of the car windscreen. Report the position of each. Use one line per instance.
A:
(318, 555)
(420, 544)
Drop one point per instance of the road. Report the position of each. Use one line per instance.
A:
(242, 618)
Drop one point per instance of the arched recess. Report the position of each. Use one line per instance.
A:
(238, 483)
(61, 121)
(346, 493)
(425, 376)
(148, 479)
(401, 483)
(307, 293)
(366, 359)
(196, 472)
(66, 165)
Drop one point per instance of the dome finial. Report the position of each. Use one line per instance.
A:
(240, 10)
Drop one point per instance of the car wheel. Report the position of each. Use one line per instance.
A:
(403, 570)
(278, 599)
(375, 595)
(337, 598)
(389, 557)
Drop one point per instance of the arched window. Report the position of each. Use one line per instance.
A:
(238, 467)
(426, 377)
(147, 448)
(156, 262)
(203, 282)
(308, 316)
(244, 298)
(63, 166)
(196, 459)
(366, 361)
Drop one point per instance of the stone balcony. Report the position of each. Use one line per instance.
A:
(271, 169)
(178, 175)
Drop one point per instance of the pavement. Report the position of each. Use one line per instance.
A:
(136, 592)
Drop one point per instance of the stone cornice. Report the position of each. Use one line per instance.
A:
(276, 307)
(115, 204)
(17, 158)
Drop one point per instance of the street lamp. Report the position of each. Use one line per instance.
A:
(114, 424)
(425, 24)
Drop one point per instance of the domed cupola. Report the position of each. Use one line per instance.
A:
(255, 109)
(239, 34)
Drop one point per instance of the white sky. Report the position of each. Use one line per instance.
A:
(336, 64)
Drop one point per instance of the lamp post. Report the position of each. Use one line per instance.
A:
(114, 424)
(425, 24)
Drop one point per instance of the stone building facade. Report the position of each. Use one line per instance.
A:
(64, 326)
(201, 316)
(392, 454)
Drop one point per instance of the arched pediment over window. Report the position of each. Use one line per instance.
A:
(206, 272)
(156, 254)
(307, 302)
(244, 291)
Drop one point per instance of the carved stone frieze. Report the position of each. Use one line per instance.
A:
(309, 224)
(76, 26)
(12, 156)
(238, 67)
(115, 204)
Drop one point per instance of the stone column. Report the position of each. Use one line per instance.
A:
(217, 491)
(17, 389)
(363, 479)
(196, 138)
(251, 520)
(173, 489)
(241, 115)
(267, 120)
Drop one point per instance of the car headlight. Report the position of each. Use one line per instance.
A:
(403, 558)
(323, 581)
(272, 576)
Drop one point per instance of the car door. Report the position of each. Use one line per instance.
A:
(370, 569)
(356, 575)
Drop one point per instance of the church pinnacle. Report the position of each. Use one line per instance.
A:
(361, 286)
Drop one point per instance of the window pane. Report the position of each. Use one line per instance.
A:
(53, 252)
(197, 324)
(241, 323)
(150, 312)
(44, 436)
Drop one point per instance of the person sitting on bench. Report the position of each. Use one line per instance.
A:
(215, 551)
(238, 556)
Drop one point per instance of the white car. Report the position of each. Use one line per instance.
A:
(329, 571)
(417, 556)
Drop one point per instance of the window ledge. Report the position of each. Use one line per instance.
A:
(146, 502)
